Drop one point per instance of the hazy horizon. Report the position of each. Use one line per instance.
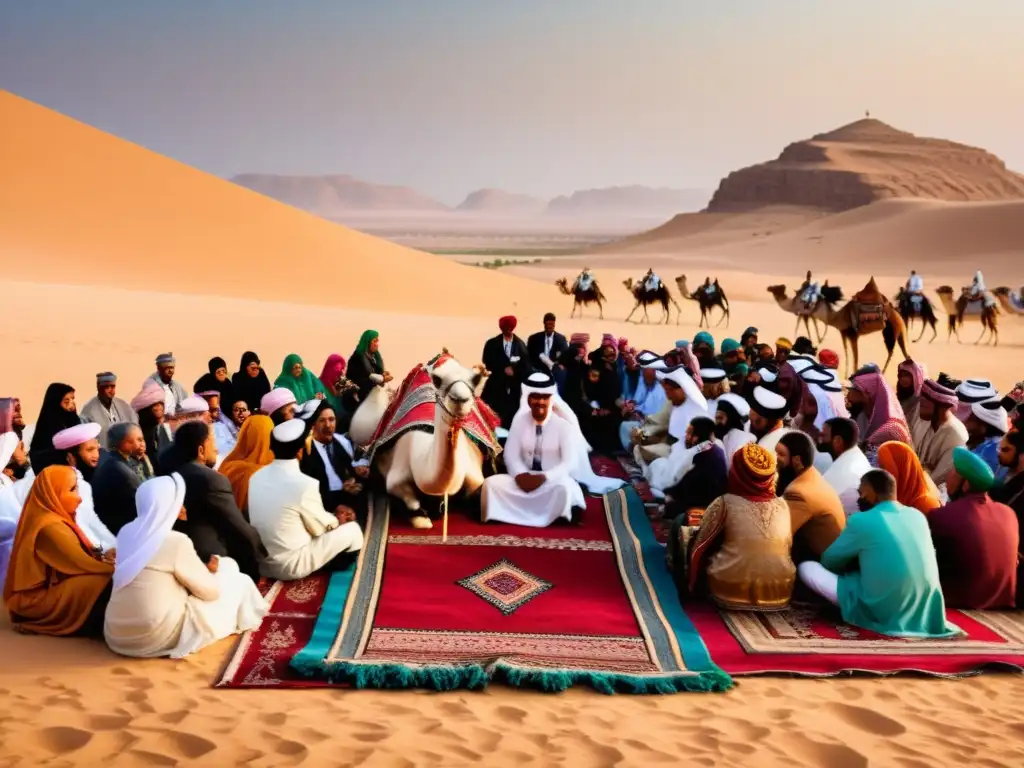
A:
(534, 98)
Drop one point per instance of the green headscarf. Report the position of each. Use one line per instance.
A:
(730, 345)
(305, 386)
(703, 337)
(363, 347)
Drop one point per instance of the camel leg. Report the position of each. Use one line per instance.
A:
(935, 331)
(646, 316)
(600, 309)
(723, 318)
(634, 310)
(572, 314)
(796, 328)
(984, 330)
(924, 327)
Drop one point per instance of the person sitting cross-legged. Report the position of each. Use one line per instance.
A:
(742, 549)
(882, 571)
(815, 511)
(704, 477)
(976, 539)
(538, 489)
(166, 601)
(286, 508)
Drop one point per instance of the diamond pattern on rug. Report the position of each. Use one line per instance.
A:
(505, 586)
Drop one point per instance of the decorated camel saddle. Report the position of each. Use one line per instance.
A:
(412, 409)
(969, 304)
(869, 311)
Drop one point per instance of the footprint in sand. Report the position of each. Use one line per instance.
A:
(512, 715)
(108, 722)
(153, 758)
(867, 720)
(187, 745)
(60, 739)
(827, 755)
(275, 719)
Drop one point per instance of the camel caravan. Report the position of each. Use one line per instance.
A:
(647, 291)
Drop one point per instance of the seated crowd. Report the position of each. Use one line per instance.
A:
(151, 522)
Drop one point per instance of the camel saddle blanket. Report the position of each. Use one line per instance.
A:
(870, 317)
(412, 408)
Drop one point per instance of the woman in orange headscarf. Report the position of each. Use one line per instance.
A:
(57, 582)
(914, 488)
(251, 453)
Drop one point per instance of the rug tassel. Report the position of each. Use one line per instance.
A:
(444, 521)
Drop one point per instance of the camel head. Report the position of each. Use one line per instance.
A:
(563, 285)
(944, 290)
(778, 291)
(1002, 290)
(628, 282)
(456, 386)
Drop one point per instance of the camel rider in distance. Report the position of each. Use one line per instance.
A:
(651, 281)
(585, 280)
(709, 287)
(915, 290)
(810, 292)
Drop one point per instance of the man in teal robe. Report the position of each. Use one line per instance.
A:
(882, 571)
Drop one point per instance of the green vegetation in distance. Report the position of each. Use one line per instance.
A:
(498, 263)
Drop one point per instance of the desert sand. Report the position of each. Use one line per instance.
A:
(115, 254)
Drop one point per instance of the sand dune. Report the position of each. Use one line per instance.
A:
(889, 237)
(80, 206)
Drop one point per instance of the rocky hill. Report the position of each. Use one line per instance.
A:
(631, 200)
(498, 201)
(337, 195)
(866, 161)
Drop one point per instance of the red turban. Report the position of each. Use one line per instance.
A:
(507, 324)
(752, 474)
(828, 358)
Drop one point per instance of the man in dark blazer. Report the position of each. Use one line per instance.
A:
(123, 468)
(506, 359)
(546, 347)
(341, 485)
(214, 522)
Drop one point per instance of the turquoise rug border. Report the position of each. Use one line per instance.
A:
(695, 653)
(701, 674)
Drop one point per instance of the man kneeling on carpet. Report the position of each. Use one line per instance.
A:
(539, 457)
(882, 570)
(286, 509)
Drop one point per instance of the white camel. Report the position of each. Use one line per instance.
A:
(438, 463)
(368, 414)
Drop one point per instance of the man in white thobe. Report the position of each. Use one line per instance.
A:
(81, 449)
(688, 402)
(839, 437)
(287, 511)
(539, 457)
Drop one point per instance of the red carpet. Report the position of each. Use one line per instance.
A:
(543, 608)
(262, 657)
(813, 641)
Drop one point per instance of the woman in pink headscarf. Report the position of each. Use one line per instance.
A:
(874, 405)
(333, 378)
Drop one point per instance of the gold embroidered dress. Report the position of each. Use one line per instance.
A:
(743, 546)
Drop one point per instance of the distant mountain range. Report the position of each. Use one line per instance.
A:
(340, 195)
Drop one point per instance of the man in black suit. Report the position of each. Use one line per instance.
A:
(215, 524)
(506, 358)
(329, 463)
(123, 468)
(546, 347)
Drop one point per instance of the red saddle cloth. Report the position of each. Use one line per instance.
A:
(869, 306)
(412, 408)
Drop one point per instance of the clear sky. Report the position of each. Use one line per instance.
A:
(535, 96)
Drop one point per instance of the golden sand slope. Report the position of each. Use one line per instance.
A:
(889, 237)
(80, 206)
